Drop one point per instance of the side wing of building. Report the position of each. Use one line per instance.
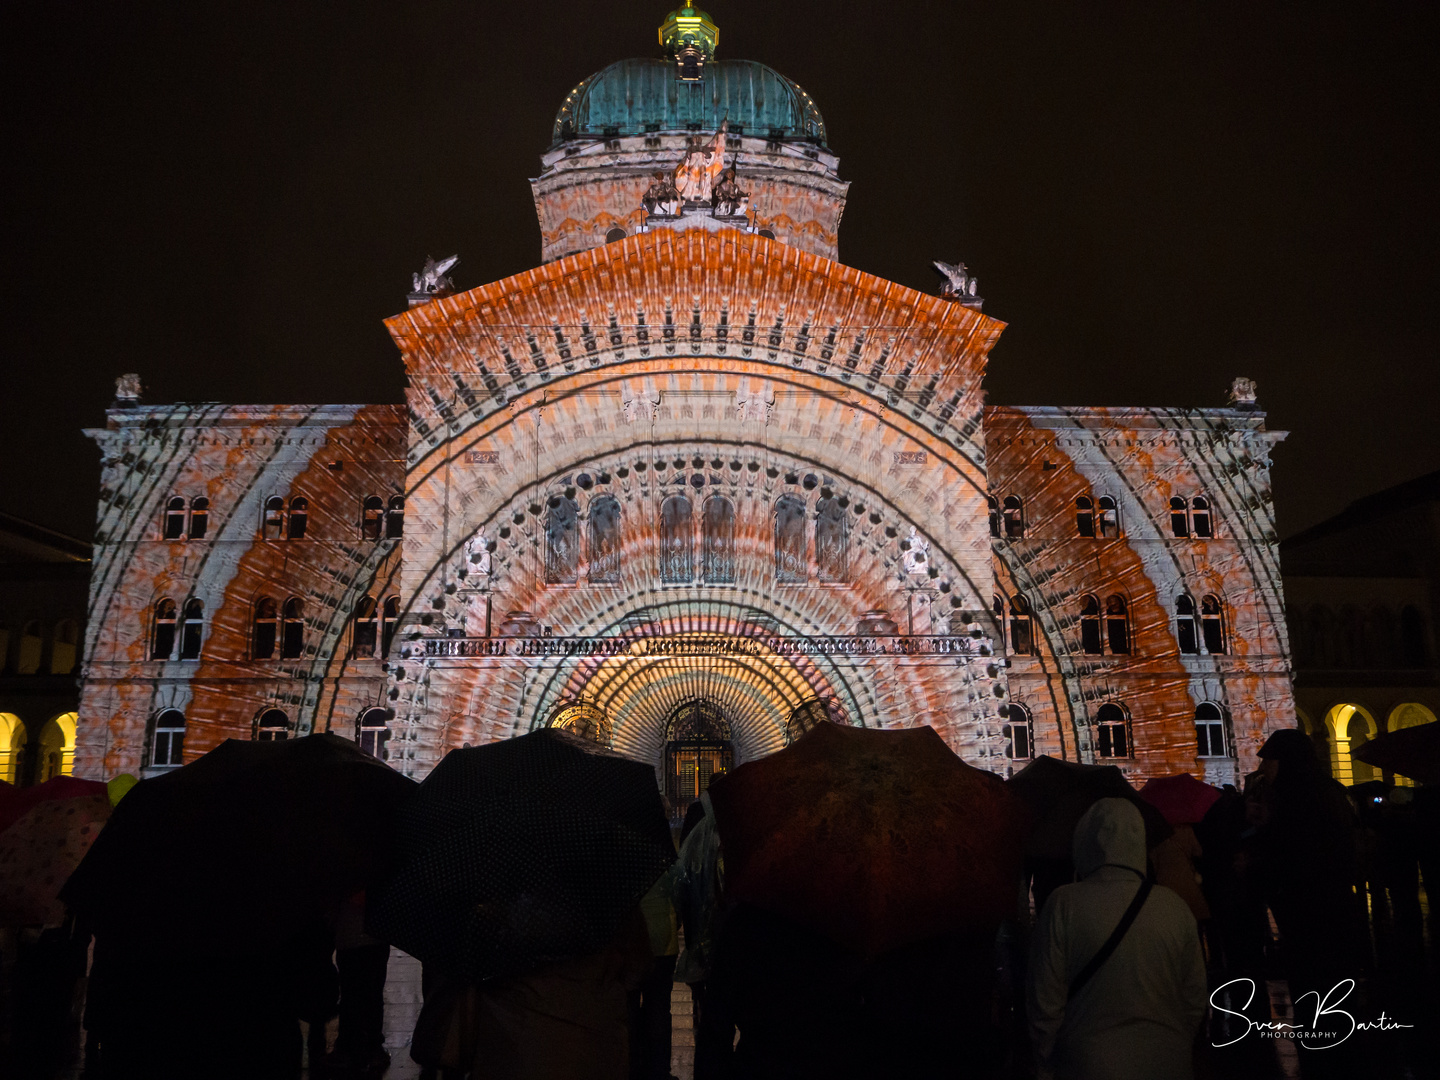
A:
(234, 547)
(1138, 580)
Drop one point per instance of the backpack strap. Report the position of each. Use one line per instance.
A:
(1113, 942)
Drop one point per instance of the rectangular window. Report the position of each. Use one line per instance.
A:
(1210, 740)
(1113, 743)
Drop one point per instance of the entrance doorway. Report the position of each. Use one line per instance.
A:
(698, 749)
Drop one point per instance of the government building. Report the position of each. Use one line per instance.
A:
(686, 487)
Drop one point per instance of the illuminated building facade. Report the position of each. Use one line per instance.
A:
(688, 486)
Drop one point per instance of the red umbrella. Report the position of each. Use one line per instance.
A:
(873, 838)
(1181, 798)
(15, 802)
(1412, 752)
(40, 851)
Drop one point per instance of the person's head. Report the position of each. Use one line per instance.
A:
(1110, 833)
(1289, 753)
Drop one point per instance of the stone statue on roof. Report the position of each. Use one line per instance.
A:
(701, 167)
(662, 197)
(728, 200)
(432, 281)
(128, 389)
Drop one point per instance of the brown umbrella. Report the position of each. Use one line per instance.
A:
(1059, 793)
(873, 838)
(1412, 752)
(40, 851)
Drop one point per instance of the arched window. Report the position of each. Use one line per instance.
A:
(364, 638)
(199, 517)
(614, 234)
(791, 562)
(192, 629)
(1186, 632)
(1179, 517)
(274, 527)
(1212, 624)
(372, 731)
(1112, 730)
(299, 517)
(390, 620)
(994, 505)
(1107, 522)
(1210, 738)
(717, 554)
(605, 540)
(162, 638)
(832, 542)
(997, 608)
(395, 518)
(57, 747)
(272, 725)
(292, 640)
(266, 632)
(167, 739)
(562, 542)
(1084, 516)
(1200, 516)
(64, 649)
(174, 525)
(1117, 625)
(1022, 638)
(1090, 637)
(372, 517)
(677, 563)
(32, 645)
(1014, 516)
(1414, 650)
(1019, 733)
(13, 738)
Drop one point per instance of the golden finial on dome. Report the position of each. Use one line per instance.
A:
(689, 37)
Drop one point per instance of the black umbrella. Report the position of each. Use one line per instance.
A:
(243, 845)
(523, 852)
(1059, 793)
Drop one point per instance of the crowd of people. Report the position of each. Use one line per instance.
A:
(1129, 960)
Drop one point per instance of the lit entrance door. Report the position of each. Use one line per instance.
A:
(697, 751)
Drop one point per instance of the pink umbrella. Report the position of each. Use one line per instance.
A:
(40, 851)
(1181, 798)
(15, 802)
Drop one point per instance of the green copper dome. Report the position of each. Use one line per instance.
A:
(633, 97)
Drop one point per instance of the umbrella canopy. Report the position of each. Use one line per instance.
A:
(242, 845)
(40, 851)
(15, 802)
(1181, 798)
(1412, 752)
(522, 852)
(1059, 793)
(873, 838)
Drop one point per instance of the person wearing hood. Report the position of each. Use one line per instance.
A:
(1134, 1016)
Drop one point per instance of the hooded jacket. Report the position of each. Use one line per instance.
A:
(1137, 1016)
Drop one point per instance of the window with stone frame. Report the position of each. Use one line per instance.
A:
(604, 563)
(1014, 517)
(718, 541)
(1084, 516)
(199, 517)
(1212, 625)
(299, 518)
(1019, 733)
(1107, 520)
(372, 517)
(273, 525)
(292, 631)
(162, 635)
(1112, 732)
(1210, 740)
(389, 623)
(365, 635)
(1201, 524)
(372, 731)
(1022, 627)
(1092, 641)
(1117, 625)
(1187, 633)
(167, 739)
(1179, 518)
(272, 725)
(265, 629)
(395, 518)
(994, 505)
(562, 541)
(173, 527)
(192, 629)
(791, 554)
(832, 542)
(677, 559)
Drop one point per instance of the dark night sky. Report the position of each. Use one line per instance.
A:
(228, 197)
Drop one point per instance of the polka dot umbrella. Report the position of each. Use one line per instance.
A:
(522, 852)
(40, 850)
